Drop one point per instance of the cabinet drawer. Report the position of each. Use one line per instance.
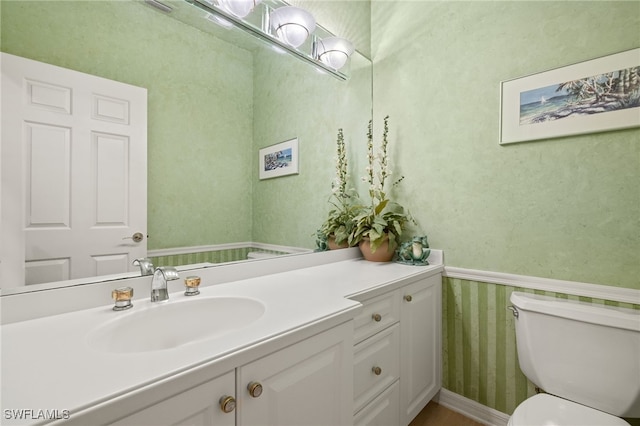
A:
(377, 314)
(376, 365)
(382, 411)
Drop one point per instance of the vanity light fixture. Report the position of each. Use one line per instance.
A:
(334, 51)
(239, 8)
(292, 25)
(286, 28)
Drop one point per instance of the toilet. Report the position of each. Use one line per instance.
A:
(586, 358)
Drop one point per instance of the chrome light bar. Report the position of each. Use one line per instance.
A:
(257, 23)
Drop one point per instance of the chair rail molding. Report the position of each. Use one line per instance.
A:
(596, 291)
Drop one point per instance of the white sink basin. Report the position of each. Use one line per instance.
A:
(167, 325)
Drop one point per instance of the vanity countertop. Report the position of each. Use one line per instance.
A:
(48, 364)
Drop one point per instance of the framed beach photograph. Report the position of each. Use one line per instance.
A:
(593, 96)
(280, 159)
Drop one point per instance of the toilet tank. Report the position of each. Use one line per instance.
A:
(581, 352)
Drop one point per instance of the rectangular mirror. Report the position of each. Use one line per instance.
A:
(215, 97)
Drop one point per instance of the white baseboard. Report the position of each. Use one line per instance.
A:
(471, 409)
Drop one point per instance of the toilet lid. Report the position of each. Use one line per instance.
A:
(548, 410)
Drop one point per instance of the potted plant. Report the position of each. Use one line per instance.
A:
(379, 225)
(339, 224)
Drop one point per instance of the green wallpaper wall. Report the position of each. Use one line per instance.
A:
(565, 208)
(199, 145)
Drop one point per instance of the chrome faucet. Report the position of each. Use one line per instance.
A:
(146, 267)
(161, 275)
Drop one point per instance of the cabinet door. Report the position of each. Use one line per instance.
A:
(198, 406)
(309, 383)
(382, 411)
(420, 345)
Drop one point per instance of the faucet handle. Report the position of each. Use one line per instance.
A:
(145, 264)
(122, 297)
(170, 273)
(191, 286)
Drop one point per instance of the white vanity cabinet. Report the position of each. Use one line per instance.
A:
(200, 405)
(307, 383)
(397, 353)
(339, 341)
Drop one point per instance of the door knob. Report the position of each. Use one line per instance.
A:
(137, 237)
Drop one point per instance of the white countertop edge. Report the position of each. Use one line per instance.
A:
(420, 273)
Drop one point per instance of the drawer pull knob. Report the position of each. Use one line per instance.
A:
(227, 404)
(255, 389)
(376, 317)
(408, 298)
(377, 371)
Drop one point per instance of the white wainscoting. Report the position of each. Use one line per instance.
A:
(596, 291)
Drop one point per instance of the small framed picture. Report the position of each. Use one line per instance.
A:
(593, 96)
(280, 159)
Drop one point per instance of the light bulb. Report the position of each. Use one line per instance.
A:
(292, 24)
(239, 8)
(334, 51)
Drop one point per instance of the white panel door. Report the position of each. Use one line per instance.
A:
(74, 173)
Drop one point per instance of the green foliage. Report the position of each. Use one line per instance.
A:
(339, 222)
(382, 217)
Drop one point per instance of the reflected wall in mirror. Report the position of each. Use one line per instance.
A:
(214, 98)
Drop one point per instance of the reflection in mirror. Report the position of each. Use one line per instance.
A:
(288, 28)
(215, 96)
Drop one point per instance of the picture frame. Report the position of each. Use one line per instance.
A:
(598, 95)
(278, 160)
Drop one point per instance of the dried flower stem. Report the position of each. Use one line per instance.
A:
(383, 154)
(340, 185)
